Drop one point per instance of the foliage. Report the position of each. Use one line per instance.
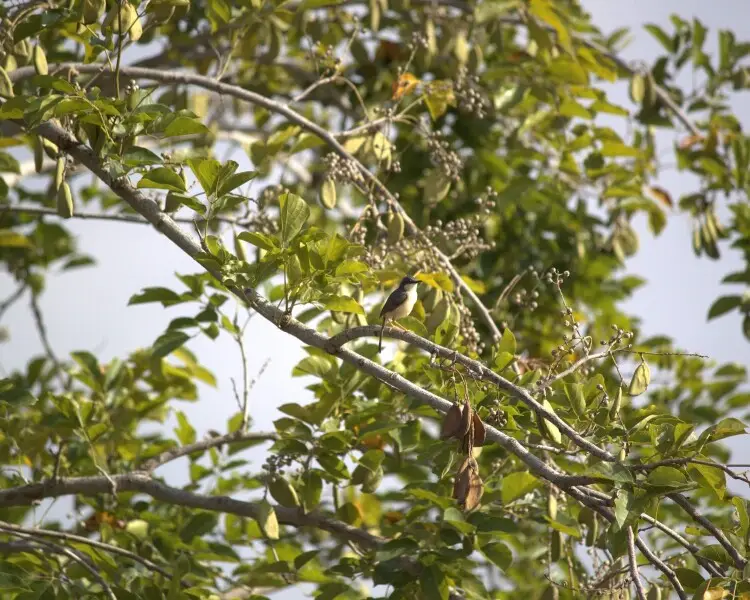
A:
(470, 145)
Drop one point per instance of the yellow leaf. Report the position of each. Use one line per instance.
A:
(715, 594)
(542, 10)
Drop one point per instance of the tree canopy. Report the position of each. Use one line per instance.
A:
(518, 438)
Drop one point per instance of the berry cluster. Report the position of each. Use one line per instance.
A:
(468, 95)
(442, 156)
(342, 170)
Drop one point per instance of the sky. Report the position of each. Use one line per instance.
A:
(87, 309)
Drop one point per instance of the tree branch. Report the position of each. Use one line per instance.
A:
(58, 549)
(294, 117)
(142, 482)
(70, 537)
(483, 372)
(634, 575)
(123, 218)
(684, 503)
(203, 445)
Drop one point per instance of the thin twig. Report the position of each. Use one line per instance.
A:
(34, 210)
(44, 337)
(684, 503)
(13, 298)
(203, 445)
(634, 575)
(70, 537)
(58, 549)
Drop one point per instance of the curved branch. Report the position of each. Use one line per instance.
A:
(294, 117)
(122, 218)
(484, 373)
(58, 549)
(203, 445)
(70, 537)
(166, 225)
(142, 482)
(684, 503)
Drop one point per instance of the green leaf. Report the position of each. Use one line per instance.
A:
(334, 466)
(716, 552)
(661, 36)
(434, 583)
(549, 426)
(235, 181)
(8, 164)
(169, 341)
(413, 324)
(206, 171)
(351, 267)
(543, 10)
(667, 477)
(498, 553)
(156, 294)
(184, 430)
(622, 505)
(260, 240)
(162, 178)
(267, 520)
(507, 342)
(182, 125)
(516, 485)
(641, 379)
(344, 304)
(438, 96)
(723, 305)
(709, 477)
(136, 156)
(294, 215)
(12, 239)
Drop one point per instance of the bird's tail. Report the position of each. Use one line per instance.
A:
(380, 342)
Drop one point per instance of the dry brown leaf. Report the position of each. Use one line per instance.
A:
(480, 433)
(452, 422)
(404, 85)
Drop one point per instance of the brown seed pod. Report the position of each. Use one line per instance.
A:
(468, 487)
(466, 414)
(480, 433)
(462, 481)
(452, 422)
(476, 489)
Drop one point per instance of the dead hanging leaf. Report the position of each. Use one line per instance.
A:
(690, 141)
(715, 594)
(388, 52)
(452, 422)
(462, 481)
(479, 430)
(404, 85)
(468, 487)
(660, 194)
(466, 413)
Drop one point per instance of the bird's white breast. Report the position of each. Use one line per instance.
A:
(406, 308)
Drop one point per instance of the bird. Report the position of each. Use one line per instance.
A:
(399, 304)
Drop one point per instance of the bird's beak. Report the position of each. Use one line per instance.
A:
(412, 280)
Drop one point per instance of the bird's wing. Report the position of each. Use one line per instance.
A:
(396, 299)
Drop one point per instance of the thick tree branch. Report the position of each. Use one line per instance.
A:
(142, 482)
(296, 118)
